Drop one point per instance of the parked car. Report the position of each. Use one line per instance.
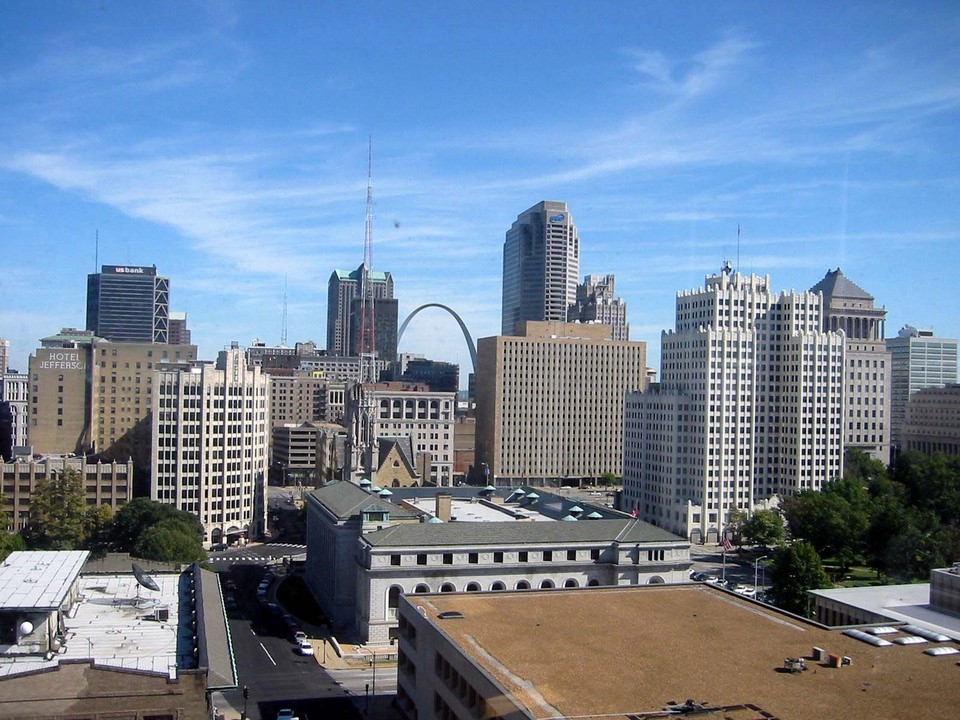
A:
(699, 576)
(747, 590)
(286, 714)
(300, 637)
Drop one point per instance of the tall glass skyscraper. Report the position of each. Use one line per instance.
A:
(541, 266)
(128, 304)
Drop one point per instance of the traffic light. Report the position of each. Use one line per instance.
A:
(246, 692)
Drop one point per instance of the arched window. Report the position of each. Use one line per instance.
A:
(656, 580)
(448, 587)
(571, 583)
(498, 586)
(421, 588)
(473, 587)
(393, 597)
(546, 584)
(523, 585)
(593, 583)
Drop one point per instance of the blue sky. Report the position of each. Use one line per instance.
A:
(226, 143)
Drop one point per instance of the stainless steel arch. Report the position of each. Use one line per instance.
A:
(466, 333)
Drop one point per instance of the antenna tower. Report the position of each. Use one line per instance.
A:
(283, 324)
(366, 341)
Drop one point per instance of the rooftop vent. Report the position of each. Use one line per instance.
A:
(450, 615)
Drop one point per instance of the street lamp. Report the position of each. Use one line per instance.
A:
(756, 568)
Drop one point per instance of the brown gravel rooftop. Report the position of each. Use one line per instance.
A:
(618, 651)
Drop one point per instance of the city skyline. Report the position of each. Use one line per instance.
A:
(227, 145)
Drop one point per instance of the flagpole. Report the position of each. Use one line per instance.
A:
(723, 570)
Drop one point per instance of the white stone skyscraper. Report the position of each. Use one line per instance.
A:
(210, 433)
(750, 406)
(541, 266)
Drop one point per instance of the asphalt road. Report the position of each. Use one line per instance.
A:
(277, 677)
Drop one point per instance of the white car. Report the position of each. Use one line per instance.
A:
(299, 637)
(305, 648)
(746, 590)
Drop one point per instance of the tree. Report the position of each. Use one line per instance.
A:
(796, 569)
(736, 522)
(170, 540)
(10, 543)
(764, 527)
(833, 520)
(608, 478)
(58, 507)
(97, 524)
(133, 519)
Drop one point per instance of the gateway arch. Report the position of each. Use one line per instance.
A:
(463, 327)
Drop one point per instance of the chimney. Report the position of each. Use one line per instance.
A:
(443, 506)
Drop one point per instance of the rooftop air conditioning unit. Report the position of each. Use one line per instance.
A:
(161, 614)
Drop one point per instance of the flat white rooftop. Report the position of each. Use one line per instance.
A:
(114, 625)
(462, 510)
(904, 603)
(38, 580)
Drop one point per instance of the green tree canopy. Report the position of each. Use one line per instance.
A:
(833, 520)
(796, 569)
(10, 543)
(736, 523)
(134, 518)
(170, 540)
(58, 508)
(764, 527)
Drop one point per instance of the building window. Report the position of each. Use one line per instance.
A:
(522, 556)
(595, 554)
(548, 555)
(448, 558)
(421, 558)
(394, 559)
(498, 557)
(571, 554)
(473, 559)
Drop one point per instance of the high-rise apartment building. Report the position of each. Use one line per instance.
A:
(597, 303)
(128, 304)
(541, 266)
(179, 333)
(918, 360)
(88, 395)
(866, 380)
(342, 289)
(210, 429)
(550, 401)
(750, 406)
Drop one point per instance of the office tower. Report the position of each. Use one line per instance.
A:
(866, 380)
(384, 328)
(931, 421)
(210, 430)
(14, 394)
(918, 360)
(128, 304)
(299, 395)
(400, 410)
(342, 289)
(4, 355)
(550, 401)
(541, 265)
(597, 303)
(88, 395)
(750, 405)
(440, 376)
(179, 333)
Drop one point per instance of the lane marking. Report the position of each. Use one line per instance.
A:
(270, 657)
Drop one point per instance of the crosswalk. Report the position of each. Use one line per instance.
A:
(261, 553)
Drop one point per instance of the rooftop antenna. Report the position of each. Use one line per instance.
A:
(96, 252)
(366, 342)
(738, 247)
(283, 323)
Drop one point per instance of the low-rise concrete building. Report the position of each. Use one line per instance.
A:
(95, 646)
(366, 548)
(655, 652)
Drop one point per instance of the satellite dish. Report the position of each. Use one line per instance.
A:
(26, 627)
(148, 582)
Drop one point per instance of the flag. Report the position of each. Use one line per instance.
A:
(726, 545)
(634, 513)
